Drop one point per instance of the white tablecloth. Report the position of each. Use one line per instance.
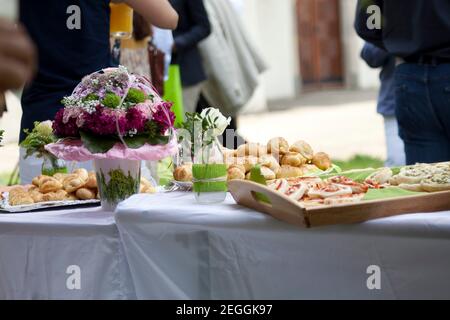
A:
(37, 250)
(179, 249)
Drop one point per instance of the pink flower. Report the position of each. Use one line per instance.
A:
(104, 122)
(136, 119)
(164, 117)
(65, 129)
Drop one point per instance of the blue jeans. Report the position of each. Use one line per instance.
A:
(394, 145)
(422, 94)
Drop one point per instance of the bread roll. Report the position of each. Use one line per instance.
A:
(82, 173)
(303, 148)
(59, 195)
(73, 183)
(50, 185)
(248, 162)
(183, 173)
(294, 159)
(322, 161)
(91, 182)
(287, 171)
(277, 146)
(235, 173)
(251, 149)
(270, 162)
(85, 194)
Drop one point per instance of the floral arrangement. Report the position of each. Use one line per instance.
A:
(209, 170)
(202, 129)
(38, 138)
(113, 106)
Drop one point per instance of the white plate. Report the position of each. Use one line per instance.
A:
(6, 208)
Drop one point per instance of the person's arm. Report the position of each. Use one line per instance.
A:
(375, 57)
(199, 30)
(17, 56)
(157, 12)
(374, 36)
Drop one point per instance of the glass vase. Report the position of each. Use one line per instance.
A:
(52, 165)
(209, 173)
(117, 180)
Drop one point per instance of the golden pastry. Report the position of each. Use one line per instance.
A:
(303, 148)
(21, 199)
(277, 146)
(270, 162)
(59, 195)
(85, 194)
(322, 161)
(71, 197)
(237, 166)
(183, 173)
(235, 173)
(36, 196)
(92, 181)
(294, 159)
(43, 179)
(73, 183)
(35, 181)
(60, 176)
(82, 173)
(50, 185)
(251, 149)
(289, 172)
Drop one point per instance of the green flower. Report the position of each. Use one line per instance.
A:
(90, 97)
(111, 100)
(135, 96)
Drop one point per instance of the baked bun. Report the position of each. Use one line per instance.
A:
(50, 185)
(235, 173)
(322, 161)
(91, 182)
(268, 174)
(183, 173)
(277, 146)
(73, 182)
(303, 148)
(287, 171)
(85, 194)
(251, 149)
(270, 162)
(294, 159)
(54, 196)
(82, 173)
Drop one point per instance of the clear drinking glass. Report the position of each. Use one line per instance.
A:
(121, 21)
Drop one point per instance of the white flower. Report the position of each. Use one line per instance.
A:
(216, 118)
(45, 128)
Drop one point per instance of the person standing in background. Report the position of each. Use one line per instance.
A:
(73, 43)
(378, 58)
(417, 33)
(193, 27)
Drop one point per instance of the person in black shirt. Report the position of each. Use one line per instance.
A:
(194, 26)
(417, 33)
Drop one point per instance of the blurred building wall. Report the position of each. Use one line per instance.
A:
(273, 27)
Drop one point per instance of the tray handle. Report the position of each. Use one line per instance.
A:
(281, 207)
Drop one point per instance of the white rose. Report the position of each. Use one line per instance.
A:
(219, 120)
(45, 128)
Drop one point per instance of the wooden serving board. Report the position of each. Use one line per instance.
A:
(288, 210)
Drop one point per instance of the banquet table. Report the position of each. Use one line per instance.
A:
(62, 254)
(178, 249)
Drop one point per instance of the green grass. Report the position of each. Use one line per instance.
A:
(4, 178)
(360, 162)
